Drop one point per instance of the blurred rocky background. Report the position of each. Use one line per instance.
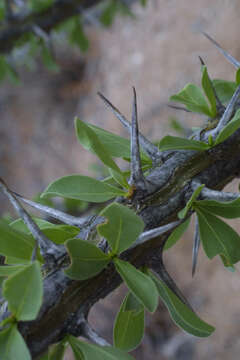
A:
(157, 52)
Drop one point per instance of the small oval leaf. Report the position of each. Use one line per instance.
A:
(209, 91)
(192, 96)
(82, 188)
(129, 324)
(217, 237)
(85, 351)
(178, 143)
(12, 345)
(183, 317)
(122, 228)
(229, 129)
(176, 234)
(87, 259)
(22, 286)
(140, 284)
(228, 209)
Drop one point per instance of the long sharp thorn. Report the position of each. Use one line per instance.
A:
(136, 177)
(48, 249)
(196, 246)
(229, 57)
(153, 233)
(147, 146)
(57, 214)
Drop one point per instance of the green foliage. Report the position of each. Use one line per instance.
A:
(122, 227)
(82, 188)
(228, 209)
(176, 234)
(138, 283)
(183, 317)
(77, 35)
(48, 58)
(15, 244)
(192, 96)
(90, 141)
(224, 89)
(23, 290)
(129, 324)
(238, 77)
(209, 91)
(56, 233)
(12, 345)
(190, 202)
(57, 351)
(116, 145)
(40, 5)
(20, 276)
(109, 13)
(178, 143)
(87, 259)
(229, 129)
(10, 270)
(217, 237)
(83, 350)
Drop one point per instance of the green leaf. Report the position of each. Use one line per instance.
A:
(87, 259)
(85, 351)
(227, 209)
(12, 345)
(178, 143)
(56, 233)
(10, 270)
(109, 13)
(138, 283)
(82, 188)
(57, 351)
(19, 225)
(44, 357)
(176, 234)
(229, 129)
(90, 141)
(23, 291)
(129, 324)
(116, 145)
(189, 204)
(122, 227)
(218, 237)
(3, 67)
(238, 76)
(143, 3)
(48, 58)
(78, 37)
(209, 91)
(224, 89)
(40, 5)
(183, 317)
(15, 244)
(12, 74)
(192, 96)
(60, 233)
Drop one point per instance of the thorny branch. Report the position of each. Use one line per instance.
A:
(67, 302)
